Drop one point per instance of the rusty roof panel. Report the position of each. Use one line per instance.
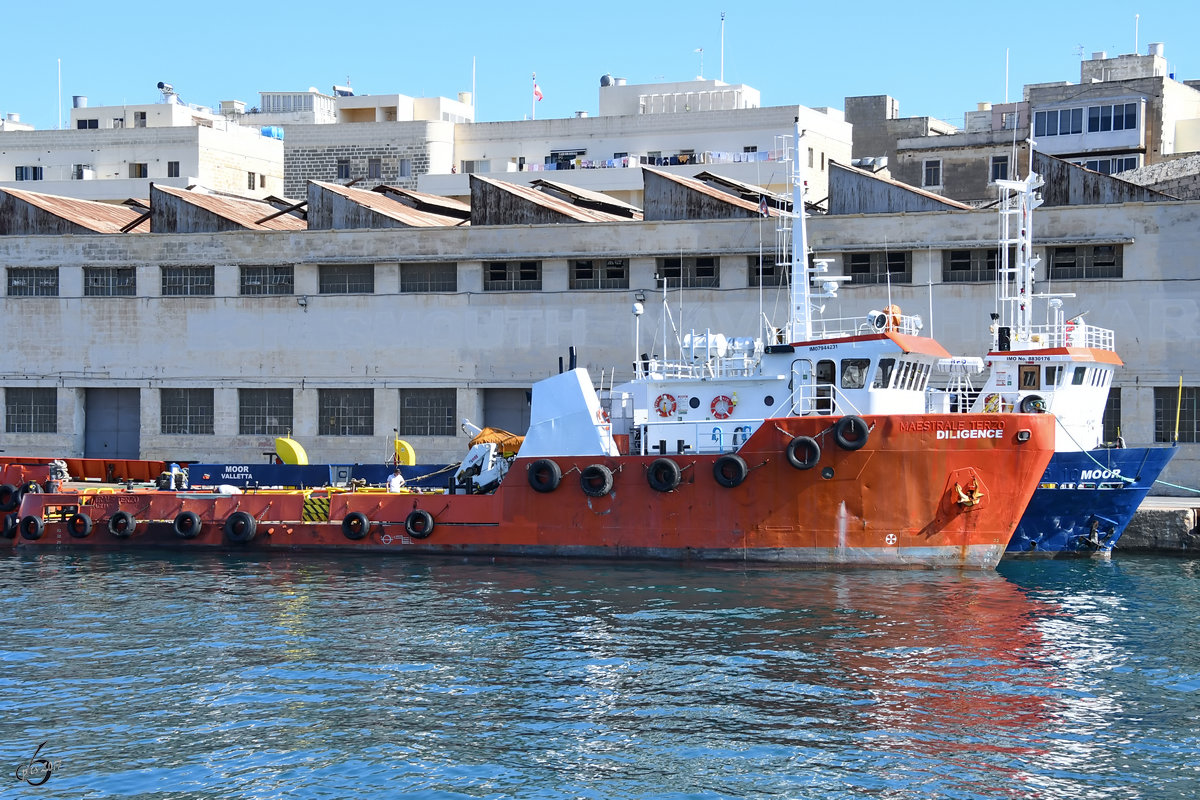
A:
(52, 214)
(597, 200)
(424, 201)
(496, 202)
(224, 212)
(381, 210)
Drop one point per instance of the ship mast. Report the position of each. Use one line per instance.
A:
(800, 322)
(1015, 278)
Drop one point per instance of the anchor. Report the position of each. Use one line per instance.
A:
(969, 497)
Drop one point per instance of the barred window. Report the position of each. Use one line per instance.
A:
(264, 412)
(268, 280)
(1088, 261)
(879, 267)
(31, 410)
(427, 412)
(186, 411)
(346, 412)
(1169, 401)
(766, 271)
(109, 282)
(430, 277)
(1112, 415)
(966, 266)
(33, 281)
(606, 273)
(187, 281)
(347, 279)
(693, 272)
(500, 276)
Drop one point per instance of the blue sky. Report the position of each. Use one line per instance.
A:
(939, 60)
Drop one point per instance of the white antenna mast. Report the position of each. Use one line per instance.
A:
(722, 47)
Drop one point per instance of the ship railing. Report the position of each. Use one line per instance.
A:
(717, 367)
(874, 322)
(1073, 334)
(680, 437)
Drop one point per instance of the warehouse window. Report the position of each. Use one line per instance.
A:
(264, 412)
(347, 279)
(109, 282)
(268, 280)
(33, 281)
(431, 277)
(1170, 401)
(346, 412)
(766, 272)
(692, 272)
(500, 276)
(966, 266)
(427, 412)
(599, 273)
(186, 411)
(1089, 261)
(31, 410)
(187, 281)
(879, 267)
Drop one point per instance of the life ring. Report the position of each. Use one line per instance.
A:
(602, 416)
(803, 452)
(1033, 404)
(10, 497)
(187, 525)
(596, 480)
(121, 524)
(722, 406)
(851, 432)
(12, 523)
(355, 525)
(665, 404)
(419, 524)
(32, 528)
(544, 475)
(79, 525)
(991, 404)
(663, 475)
(730, 470)
(240, 527)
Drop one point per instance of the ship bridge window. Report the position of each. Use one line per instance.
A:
(1030, 376)
(1078, 378)
(1053, 374)
(883, 375)
(854, 372)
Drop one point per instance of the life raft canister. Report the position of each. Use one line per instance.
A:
(665, 404)
(722, 406)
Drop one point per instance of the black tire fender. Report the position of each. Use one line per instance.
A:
(851, 432)
(187, 525)
(240, 527)
(10, 497)
(544, 475)
(663, 474)
(121, 524)
(32, 528)
(730, 470)
(79, 525)
(419, 523)
(596, 480)
(12, 524)
(803, 452)
(355, 525)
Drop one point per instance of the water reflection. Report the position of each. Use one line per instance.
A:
(239, 677)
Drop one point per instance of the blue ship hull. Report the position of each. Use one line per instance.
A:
(1084, 503)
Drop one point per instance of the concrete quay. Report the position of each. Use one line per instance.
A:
(1163, 525)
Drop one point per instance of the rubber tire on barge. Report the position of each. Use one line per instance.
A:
(596, 480)
(806, 445)
(730, 470)
(32, 528)
(663, 475)
(851, 432)
(544, 475)
(419, 524)
(79, 525)
(240, 527)
(187, 525)
(121, 524)
(356, 525)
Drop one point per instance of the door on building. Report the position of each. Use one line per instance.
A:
(507, 409)
(113, 424)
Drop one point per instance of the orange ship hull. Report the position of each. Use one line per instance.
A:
(924, 490)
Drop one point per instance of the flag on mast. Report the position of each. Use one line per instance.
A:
(537, 93)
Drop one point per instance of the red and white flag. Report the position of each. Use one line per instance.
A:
(537, 93)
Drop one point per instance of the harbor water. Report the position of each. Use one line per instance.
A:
(185, 676)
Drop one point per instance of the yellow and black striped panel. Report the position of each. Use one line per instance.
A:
(316, 509)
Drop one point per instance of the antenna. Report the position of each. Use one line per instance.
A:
(1136, 19)
(722, 47)
(700, 50)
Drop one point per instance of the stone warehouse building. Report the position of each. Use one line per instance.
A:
(213, 333)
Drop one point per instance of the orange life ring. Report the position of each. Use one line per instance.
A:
(665, 405)
(602, 416)
(722, 406)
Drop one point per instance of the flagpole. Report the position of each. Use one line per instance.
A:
(533, 99)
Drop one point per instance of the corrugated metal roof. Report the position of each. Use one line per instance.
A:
(426, 201)
(748, 191)
(712, 191)
(914, 189)
(551, 202)
(393, 209)
(95, 216)
(602, 200)
(241, 211)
